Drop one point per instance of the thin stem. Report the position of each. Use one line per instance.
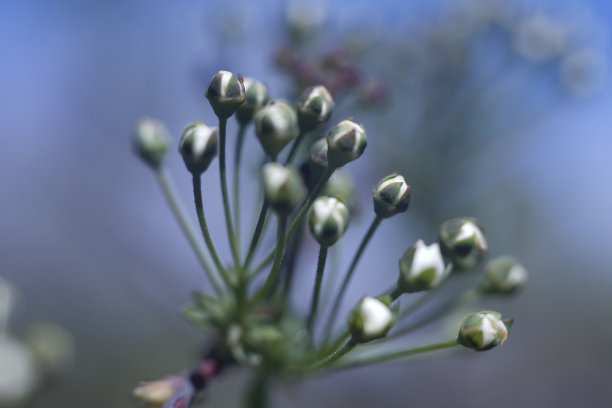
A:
(314, 193)
(294, 148)
(236, 184)
(396, 292)
(332, 358)
(256, 235)
(169, 191)
(349, 273)
(467, 297)
(317, 287)
(226, 207)
(197, 195)
(397, 354)
(270, 284)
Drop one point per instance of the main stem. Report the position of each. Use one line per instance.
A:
(236, 184)
(349, 273)
(197, 195)
(226, 207)
(317, 287)
(169, 192)
(256, 235)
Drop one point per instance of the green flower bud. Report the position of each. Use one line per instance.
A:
(225, 93)
(462, 242)
(283, 187)
(483, 331)
(198, 146)
(421, 268)
(52, 347)
(275, 126)
(314, 107)
(346, 142)
(341, 186)
(318, 153)
(328, 220)
(391, 196)
(256, 96)
(371, 319)
(151, 141)
(503, 275)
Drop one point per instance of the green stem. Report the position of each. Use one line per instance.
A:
(397, 354)
(467, 297)
(295, 146)
(197, 194)
(257, 396)
(256, 235)
(226, 207)
(397, 292)
(349, 273)
(314, 193)
(169, 192)
(317, 287)
(236, 184)
(332, 358)
(270, 284)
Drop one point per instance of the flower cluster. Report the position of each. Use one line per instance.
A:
(249, 311)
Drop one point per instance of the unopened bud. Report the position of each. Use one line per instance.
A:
(275, 126)
(151, 141)
(283, 187)
(463, 242)
(256, 96)
(391, 196)
(346, 142)
(341, 186)
(371, 319)
(318, 153)
(198, 146)
(421, 268)
(314, 107)
(503, 275)
(225, 93)
(52, 347)
(328, 220)
(483, 331)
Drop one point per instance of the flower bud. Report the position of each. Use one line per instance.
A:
(151, 141)
(18, 376)
(52, 348)
(341, 186)
(328, 220)
(503, 275)
(346, 142)
(314, 107)
(391, 196)
(255, 97)
(421, 267)
(283, 188)
(275, 126)
(157, 392)
(318, 153)
(483, 331)
(463, 242)
(225, 93)
(198, 146)
(371, 319)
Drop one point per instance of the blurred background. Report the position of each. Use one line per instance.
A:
(498, 110)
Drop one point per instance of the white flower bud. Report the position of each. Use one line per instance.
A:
(198, 146)
(421, 267)
(318, 153)
(256, 96)
(371, 319)
(314, 107)
(463, 242)
(503, 275)
(225, 93)
(275, 126)
(328, 220)
(345, 142)
(283, 187)
(483, 331)
(18, 377)
(391, 196)
(157, 392)
(151, 141)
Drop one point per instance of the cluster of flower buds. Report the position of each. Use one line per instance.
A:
(253, 322)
